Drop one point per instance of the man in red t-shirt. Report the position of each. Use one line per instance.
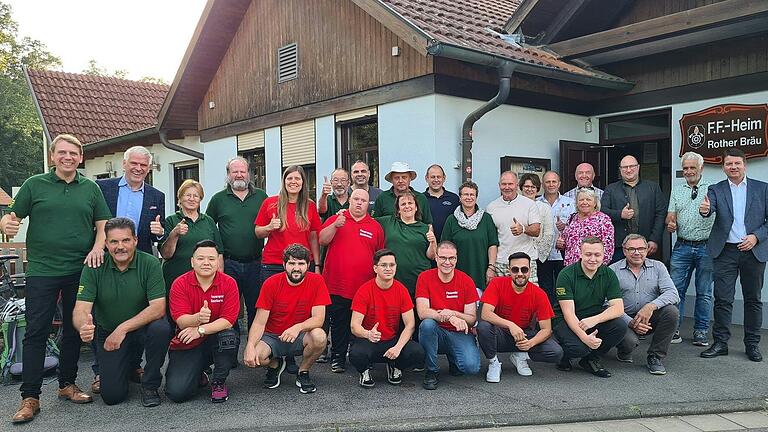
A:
(446, 302)
(205, 304)
(289, 319)
(377, 309)
(512, 307)
(352, 238)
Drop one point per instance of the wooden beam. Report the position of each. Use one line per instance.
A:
(411, 34)
(702, 19)
(567, 13)
(517, 18)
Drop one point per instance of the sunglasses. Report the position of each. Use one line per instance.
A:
(516, 270)
(694, 192)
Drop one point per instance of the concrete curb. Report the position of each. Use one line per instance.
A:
(623, 412)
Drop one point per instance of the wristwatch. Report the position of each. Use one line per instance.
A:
(201, 330)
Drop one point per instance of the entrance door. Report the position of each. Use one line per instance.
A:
(572, 153)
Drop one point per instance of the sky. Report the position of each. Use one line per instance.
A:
(142, 37)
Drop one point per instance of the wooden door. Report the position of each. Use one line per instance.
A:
(572, 153)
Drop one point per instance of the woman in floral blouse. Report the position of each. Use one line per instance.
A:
(588, 221)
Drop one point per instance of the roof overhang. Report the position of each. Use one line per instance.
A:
(37, 105)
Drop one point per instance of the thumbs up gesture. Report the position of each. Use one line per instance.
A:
(87, 330)
(326, 186)
(431, 234)
(10, 224)
(182, 228)
(516, 228)
(704, 207)
(156, 227)
(275, 223)
(204, 316)
(340, 221)
(374, 335)
(627, 212)
(672, 222)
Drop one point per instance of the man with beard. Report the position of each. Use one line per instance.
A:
(335, 195)
(361, 175)
(128, 294)
(401, 175)
(289, 318)
(510, 304)
(234, 209)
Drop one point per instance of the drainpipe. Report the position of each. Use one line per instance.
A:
(506, 69)
(175, 147)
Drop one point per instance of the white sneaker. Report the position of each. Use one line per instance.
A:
(520, 362)
(494, 371)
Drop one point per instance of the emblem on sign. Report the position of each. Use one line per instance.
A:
(711, 131)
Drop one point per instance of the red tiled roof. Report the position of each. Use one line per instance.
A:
(94, 108)
(464, 23)
(5, 199)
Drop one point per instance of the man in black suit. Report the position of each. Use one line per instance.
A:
(128, 196)
(738, 244)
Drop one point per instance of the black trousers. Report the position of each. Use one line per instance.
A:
(340, 314)
(364, 353)
(493, 339)
(42, 295)
(116, 366)
(547, 272)
(611, 332)
(185, 366)
(730, 264)
(664, 323)
(136, 357)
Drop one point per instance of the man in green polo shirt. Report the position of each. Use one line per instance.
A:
(584, 327)
(234, 210)
(63, 208)
(128, 294)
(335, 194)
(401, 176)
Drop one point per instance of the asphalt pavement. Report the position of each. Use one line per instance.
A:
(692, 386)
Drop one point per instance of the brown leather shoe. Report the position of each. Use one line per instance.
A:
(96, 385)
(29, 408)
(73, 393)
(136, 375)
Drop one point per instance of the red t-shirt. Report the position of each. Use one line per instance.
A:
(186, 298)
(522, 308)
(383, 306)
(278, 240)
(289, 305)
(349, 257)
(453, 295)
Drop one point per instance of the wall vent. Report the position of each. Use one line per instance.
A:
(287, 63)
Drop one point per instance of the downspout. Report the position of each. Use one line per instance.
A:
(177, 148)
(506, 69)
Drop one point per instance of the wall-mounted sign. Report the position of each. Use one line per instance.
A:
(711, 131)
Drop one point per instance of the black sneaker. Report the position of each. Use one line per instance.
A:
(366, 379)
(272, 379)
(338, 365)
(304, 383)
(430, 381)
(454, 370)
(150, 397)
(394, 375)
(655, 366)
(290, 365)
(325, 357)
(564, 365)
(592, 365)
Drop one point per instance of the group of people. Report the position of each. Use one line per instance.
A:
(395, 276)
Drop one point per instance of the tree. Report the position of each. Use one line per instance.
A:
(21, 133)
(93, 68)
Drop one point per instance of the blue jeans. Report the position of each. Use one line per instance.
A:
(246, 274)
(685, 259)
(460, 348)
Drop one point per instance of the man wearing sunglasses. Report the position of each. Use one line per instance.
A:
(650, 303)
(510, 304)
(690, 251)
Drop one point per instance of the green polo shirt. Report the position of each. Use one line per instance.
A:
(204, 228)
(62, 217)
(385, 204)
(235, 219)
(333, 207)
(472, 246)
(409, 243)
(589, 295)
(118, 296)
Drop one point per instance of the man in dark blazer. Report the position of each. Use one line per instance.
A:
(635, 206)
(128, 196)
(739, 245)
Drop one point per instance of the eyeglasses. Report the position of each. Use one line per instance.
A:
(444, 259)
(627, 167)
(694, 192)
(191, 196)
(339, 180)
(516, 270)
(636, 249)
(387, 265)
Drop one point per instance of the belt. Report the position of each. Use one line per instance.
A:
(691, 242)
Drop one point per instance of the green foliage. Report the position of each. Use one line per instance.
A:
(93, 68)
(21, 134)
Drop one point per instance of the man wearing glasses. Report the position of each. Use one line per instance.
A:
(690, 251)
(335, 195)
(650, 300)
(635, 206)
(446, 303)
(510, 304)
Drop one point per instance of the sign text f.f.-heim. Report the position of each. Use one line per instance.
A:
(712, 130)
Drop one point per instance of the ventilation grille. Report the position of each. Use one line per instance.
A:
(287, 63)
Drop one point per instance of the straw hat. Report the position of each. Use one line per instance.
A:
(399, 167)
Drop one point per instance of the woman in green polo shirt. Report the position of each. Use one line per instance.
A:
(183, 230)
(412, 241)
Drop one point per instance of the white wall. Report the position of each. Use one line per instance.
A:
(325, 150)
(273, 159)
(213, 169)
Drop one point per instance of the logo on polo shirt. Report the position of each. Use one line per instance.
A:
(451, 294)
(218, 298)
(80, 289)
(366, 234)
(447, 203)
(560, 291)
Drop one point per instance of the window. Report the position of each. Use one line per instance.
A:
(258, 166)
(182, 172)
(360, 141)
